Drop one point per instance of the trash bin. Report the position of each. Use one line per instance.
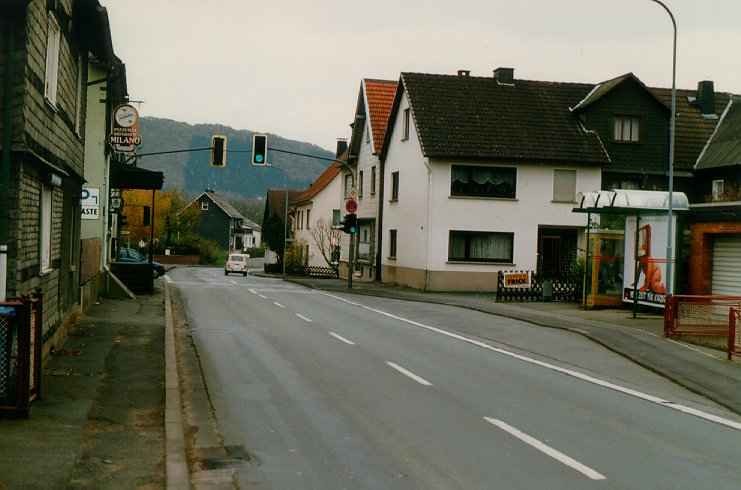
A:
(547, 289)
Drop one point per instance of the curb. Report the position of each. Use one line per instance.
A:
(177, 473)
(692, 387)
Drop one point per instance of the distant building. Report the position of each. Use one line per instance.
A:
(220, 222)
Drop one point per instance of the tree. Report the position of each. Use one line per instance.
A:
(326, 239)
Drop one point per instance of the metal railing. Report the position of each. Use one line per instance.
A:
(703, 316)
(20, 354)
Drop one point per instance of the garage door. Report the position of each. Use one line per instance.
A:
(727, 265)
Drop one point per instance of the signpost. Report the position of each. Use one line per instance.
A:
(90, 203)
(125, 135)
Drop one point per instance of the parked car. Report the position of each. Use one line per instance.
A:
(236, 263)
(132, 255)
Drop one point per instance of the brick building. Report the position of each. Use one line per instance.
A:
(45, 46)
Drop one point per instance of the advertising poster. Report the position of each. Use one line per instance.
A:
(90, 202)
(652, 241)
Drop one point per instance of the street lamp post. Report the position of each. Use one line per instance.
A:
(670, 221)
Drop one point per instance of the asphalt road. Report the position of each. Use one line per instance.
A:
(349, 392)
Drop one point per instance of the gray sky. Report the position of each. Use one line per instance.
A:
(293, 67)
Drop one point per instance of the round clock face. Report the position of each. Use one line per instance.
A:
(126, 116)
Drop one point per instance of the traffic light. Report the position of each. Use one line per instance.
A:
(350, 223)
(259, 150)
(218, 151)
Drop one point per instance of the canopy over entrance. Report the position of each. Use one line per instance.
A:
(630, 202)
(130, 177)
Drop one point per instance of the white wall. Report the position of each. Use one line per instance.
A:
(368, 204)
(409, 215)
(321, 207)
(532, 206)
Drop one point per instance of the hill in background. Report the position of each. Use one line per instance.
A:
(192, 172)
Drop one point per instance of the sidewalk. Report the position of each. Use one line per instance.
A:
(641, 340)
(100, 423)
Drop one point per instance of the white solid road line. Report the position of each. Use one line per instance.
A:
(568, 372)
(304, 318)
(409, 374)
(341, 338)
(168, 279)
(545, 448)
(278, 304)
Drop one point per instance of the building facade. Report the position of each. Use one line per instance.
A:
(221, 223)
(45, 48)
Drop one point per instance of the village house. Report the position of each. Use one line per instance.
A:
(44, 72)
(363, 177)
(480, 175)
(223, 224)
(315, 211)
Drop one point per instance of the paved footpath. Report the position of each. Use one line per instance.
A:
(700, 370)
(100, 422)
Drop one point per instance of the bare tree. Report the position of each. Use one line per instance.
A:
(326, 240)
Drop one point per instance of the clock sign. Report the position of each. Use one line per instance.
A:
(125, 135)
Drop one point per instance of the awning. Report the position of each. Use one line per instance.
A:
(130, 177)
(630, 202)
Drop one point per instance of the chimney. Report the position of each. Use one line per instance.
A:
(464, 73)
(706, 97)
(341, 147)
(505, 76)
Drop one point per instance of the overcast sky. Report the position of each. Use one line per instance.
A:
(293, 67)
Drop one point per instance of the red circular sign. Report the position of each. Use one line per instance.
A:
(351, 205)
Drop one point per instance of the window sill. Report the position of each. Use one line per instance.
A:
(484, 198)
(473, 262)
(393, 200)
(391, 258)
(563, 202)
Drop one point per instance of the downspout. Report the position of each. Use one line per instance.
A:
(379, 221)
(426, 161)
(5, 164)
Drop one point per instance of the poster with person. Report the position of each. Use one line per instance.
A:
(650, 261)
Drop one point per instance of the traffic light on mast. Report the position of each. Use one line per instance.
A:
(218, 151)
(350, 223)
(259, 150)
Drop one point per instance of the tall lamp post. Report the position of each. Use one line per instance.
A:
(670, 221)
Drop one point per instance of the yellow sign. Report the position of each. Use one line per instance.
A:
(516, 279)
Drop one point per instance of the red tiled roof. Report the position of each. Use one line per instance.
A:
(380, 97)
(321, 182)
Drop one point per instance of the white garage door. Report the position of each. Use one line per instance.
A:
(727, 265)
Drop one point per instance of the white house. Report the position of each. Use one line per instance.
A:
(369, 129)
(480, 175)
(314, 212)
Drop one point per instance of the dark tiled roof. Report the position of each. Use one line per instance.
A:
(724, 149)
(476, 117)
(225, 205)
(603, 88)
(693, 129)
(380, 97)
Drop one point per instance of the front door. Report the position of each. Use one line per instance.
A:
(551, 255)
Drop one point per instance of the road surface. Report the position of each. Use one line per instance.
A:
(351, 392)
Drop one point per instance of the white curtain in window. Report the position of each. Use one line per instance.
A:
(491, 247)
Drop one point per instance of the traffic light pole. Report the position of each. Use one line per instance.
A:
(351, 261)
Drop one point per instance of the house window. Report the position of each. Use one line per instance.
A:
(405, 136)
(45, 224)
(348, 185)
(480, 246)
(479, 181)
(395, 186)
(336, 217)
(360, 184)
(373, 181)
(719, 188)
(308, 219)
(392, 244)
(80, 94)
(204, 205)
(52, 60)
(626, 129)
(564, 185)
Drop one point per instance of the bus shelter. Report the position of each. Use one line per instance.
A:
(643, 272)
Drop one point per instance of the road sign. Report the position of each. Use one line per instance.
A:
(125, 136)
(351, 206)
(90, 202)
